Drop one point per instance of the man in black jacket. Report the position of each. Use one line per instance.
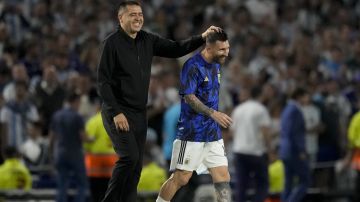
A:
(123, 83)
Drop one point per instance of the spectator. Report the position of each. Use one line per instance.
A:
(35, 148)
(313, 126)
(18, 73)
(13, 173)
(15, 116)
(48, 96)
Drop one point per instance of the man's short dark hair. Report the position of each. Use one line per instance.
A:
(10, 152)
(298, 92)
(216, 36)
(122, 5)
(255, 91)
(72, 97)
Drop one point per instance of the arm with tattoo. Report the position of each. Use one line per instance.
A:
(197, 105)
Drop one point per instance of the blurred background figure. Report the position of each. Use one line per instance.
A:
(15, 115)
(352, 158)
(48, 95)
(252, 147)
(18, 74)
(35, 149)
(171, 118)
(67, 136)
(13, 173)
(152, 175)
(100, 156)
(292, 148)
(312, 118)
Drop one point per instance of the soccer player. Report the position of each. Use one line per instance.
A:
(199, 145)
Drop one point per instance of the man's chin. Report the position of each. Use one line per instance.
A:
(221, 61)
(136, 29)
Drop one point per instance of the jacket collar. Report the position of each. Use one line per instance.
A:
(126, 36)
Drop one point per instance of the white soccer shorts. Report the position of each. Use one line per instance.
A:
(198, 156)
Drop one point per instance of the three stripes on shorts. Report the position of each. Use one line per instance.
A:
(182, 152)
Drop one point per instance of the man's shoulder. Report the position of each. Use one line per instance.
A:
(291, 109)
(193, 62)
(113, 36)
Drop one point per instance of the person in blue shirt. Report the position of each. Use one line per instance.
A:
(198, 144)
(171, 117)
(67, 134)
(292, 148)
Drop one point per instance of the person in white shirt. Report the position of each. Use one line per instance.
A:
(312, 123)
(252, 139)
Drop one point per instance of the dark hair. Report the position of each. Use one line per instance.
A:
(216, 36)
(298, 92)
(123, 4)
(72, 97)
(36, 124)
(256, 91)
(21, 83)
(10, 152)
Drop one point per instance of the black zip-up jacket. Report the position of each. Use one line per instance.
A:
(125, 66)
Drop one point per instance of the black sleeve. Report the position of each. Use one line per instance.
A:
(173, 49)
(105, 70)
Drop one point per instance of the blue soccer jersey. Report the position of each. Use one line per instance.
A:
(203, 80)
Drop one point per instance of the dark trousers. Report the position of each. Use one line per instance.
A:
(98, 188)
(71, 169)
(248, 166)
(295, 169)
(129, 146)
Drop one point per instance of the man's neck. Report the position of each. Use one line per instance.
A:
(132, 35)
(206, 56)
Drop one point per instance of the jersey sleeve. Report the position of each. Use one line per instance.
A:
(189, 79)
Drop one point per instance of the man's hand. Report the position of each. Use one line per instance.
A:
(121, 122)
(224, 120)
(210, 30)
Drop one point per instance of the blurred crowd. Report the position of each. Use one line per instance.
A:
(50, 48)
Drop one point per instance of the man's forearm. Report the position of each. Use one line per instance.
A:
(197, 105)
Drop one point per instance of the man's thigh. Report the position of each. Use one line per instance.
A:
(186, 155)
(124, 142)
(214, 155)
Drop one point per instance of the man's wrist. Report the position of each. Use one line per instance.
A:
(210, 112)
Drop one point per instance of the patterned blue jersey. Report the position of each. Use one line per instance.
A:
(202, 79)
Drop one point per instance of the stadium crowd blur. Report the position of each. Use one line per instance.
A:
(51, 48)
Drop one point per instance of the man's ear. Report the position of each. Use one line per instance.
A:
(208, 47)
(120, 18)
